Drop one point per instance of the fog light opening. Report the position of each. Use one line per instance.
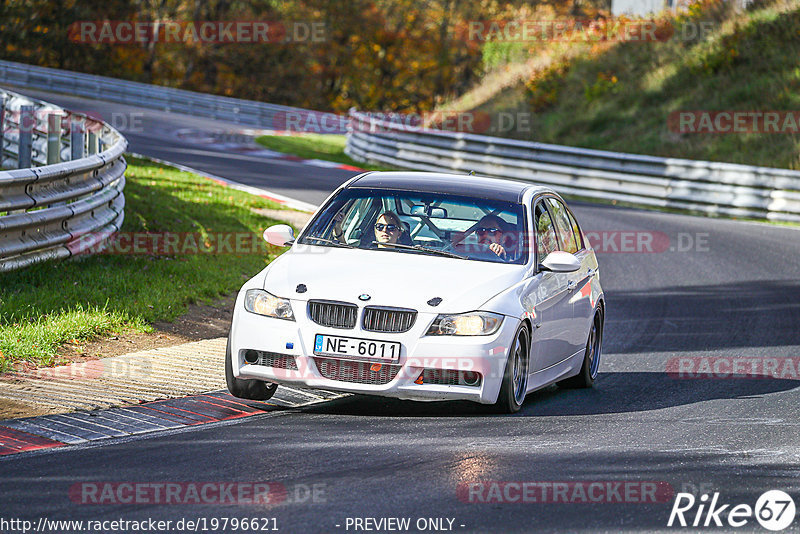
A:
(471, 378)
(251, 357)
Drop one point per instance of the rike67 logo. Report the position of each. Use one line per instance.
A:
(774, 510)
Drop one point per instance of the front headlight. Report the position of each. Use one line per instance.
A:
(476, 323)
(263, 303)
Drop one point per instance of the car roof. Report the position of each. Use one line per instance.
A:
(448, 183)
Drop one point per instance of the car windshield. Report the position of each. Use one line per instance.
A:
(408, 222)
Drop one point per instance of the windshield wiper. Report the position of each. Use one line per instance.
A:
(330, 242)
(422, 249)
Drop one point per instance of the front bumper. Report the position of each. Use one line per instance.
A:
(483, 354)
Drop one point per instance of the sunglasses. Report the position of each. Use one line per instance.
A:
(389, 227)
(483, 230)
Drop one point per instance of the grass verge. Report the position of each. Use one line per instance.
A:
(328, 147)
(51, 303)
(628, 96)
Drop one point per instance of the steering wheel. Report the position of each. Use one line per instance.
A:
(474, 250)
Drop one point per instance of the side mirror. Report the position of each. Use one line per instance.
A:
(560, 262)
(280, 235)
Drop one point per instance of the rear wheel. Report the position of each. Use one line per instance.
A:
(591, 358)
(245, 389)
(515, 378)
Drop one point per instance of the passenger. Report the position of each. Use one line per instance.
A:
(492, 231)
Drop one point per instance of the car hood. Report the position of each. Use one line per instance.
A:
(390, 278)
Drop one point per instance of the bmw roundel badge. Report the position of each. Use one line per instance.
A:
(364, 296)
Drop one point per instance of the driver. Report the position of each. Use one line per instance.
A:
(388, 228)
(491, 231)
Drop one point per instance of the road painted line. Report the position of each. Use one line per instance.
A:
(118, 421)
(87, 429)
(152, 415)
(302, 392)
(73, 427)
(141, 418)
(95, 423)
(165, 412)
(241, 408)
(193, 417)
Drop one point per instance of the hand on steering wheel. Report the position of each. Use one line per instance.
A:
(498, 249)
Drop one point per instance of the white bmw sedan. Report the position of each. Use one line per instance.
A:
(424, 286)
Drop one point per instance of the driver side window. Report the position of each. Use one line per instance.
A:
(545, 232)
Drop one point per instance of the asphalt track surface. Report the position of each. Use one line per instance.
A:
(734, 293)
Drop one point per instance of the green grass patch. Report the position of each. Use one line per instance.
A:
(746, 63)
(50, 303)
(328, 147)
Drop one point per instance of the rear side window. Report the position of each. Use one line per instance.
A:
(563, 225)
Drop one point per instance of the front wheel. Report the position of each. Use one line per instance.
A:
(591, 359)
(245, 389)
(515, 378)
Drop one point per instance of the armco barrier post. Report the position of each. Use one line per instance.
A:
(27, 121)
(76, 139)
(53, 138)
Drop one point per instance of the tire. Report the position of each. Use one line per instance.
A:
(245, 389)
(591, 356)
(515, 377)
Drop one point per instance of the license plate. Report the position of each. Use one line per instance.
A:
(356, 348)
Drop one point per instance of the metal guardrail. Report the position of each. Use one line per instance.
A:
(245, 112)
(56, 200)
(698, 186)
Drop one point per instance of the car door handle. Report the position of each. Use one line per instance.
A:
(571, 285)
